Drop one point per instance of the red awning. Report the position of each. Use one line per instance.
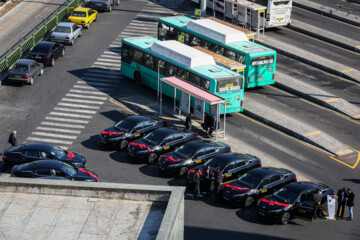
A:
(193, 90)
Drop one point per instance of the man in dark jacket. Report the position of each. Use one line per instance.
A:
(350, 202)
(317, 199)
(12, 139)
(341, 198)
(197, 181)
(217, 182)
(188, 123)
(207, 122)
(212, 126)
(207, 178)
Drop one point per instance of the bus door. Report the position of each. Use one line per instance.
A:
(304, 206)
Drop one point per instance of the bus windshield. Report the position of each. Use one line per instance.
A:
(228, 84)
(262, 60)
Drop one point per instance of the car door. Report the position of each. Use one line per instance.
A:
(91, 15)
(275, 183)
(304, 206)
(31, 155)
(228, 172)
(149, 126)
(55, 51)
(76, 30)
(167, 144)
(263, 187)
(42, 172)
(178, 139)
(199, 156)
(239, 168)
(138, 130)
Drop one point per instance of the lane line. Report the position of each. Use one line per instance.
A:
(66, 120)
(49, 140)
(311, 133)
(81, 101)
(62, 125)
(347, 70)
(85, 96)
(58, 130)
(62, 114)
(122, 106)
(344, 152)
(332, 100)
(54, 135)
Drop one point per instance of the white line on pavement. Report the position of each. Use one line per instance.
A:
(109, 60)
(84, 96)
(77, 105)
(87, 92)
(81, 101)
(110, 56)
(59, 130)
(49, 140)
(53, 135)
(70, 115)
(66, 120)
(62, 125)
(107, 64)
(96, 83)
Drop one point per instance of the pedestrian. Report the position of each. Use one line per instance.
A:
(207, 122)
(317, 198)
(197, 181)
(341, 198)
(217, 183)
(212, 126)
(350, 203)
(207, 178)
(12, 138)
(188, 123)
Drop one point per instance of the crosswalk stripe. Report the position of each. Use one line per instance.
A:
(59, 130)
(103, 71)
(63, 114)
(63, 147)
(107, 64)
(158, 10)
(62, 125)
(89, 79)
(110, 56)
(103, 76)
(136, 34)
(49, 140)
(108, 60)
(115, 50)
(87, 92)
(85, 96)
(140, 32)
(117, 42)
(66, 120)
(74, 110)
(78, 105)
(114, 45)
(89, 87)
(94, 83)
(107, 67)
(144, 22)
(53, 135)
(132, 24)
(112, 53)
(81, 101)
(147, 16)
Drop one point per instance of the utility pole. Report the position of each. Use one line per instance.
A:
(203, 8)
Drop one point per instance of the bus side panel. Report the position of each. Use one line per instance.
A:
(127, 70)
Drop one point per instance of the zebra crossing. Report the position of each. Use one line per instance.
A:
(65, 122)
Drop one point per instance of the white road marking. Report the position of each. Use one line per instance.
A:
(108, 60)
(62, 125)
(87, 92)
(86, 79)
(78, 105)
(112, 53)
(83, 96)
(89, 87)
(70, 115)
(49, 140)
(114, 45)
(101, 76)
(103, 72)
(107, 64)
(106, 67)
(95, 83)
(110, 56)
(63, 147)
(81, 101)
(66, 120)
(58, 130)
(53, 135)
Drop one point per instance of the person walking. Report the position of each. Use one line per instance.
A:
(341, 198)
(212, 126)
(207, 176)
(350, 203)
(317, 198)
(12, 139)
(217, 183)
(188, 123)
(197, 181)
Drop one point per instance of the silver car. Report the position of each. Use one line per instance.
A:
(25, 70)
(66, 33)
(103, 5)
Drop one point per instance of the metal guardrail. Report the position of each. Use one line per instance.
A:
(36, 37)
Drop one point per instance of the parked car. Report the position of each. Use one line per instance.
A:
(128, 130)
(66, 33)
(46, 168)
(190, 155)
(37, 151)
(156, 143)
(255, 184)
(25, 71)
(103, 5)
(231, 165)
(293, 200)
(83, 16)
(47, 52)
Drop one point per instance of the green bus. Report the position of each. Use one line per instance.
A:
(144, 58)
(260, 61)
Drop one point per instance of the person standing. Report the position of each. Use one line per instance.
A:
(207, 176)
(188, 123)
(350, 203)
(12, 139)
(207, 122)
(217, 182)
(317, 198)
(212, 126)
(197, 181)
(341, 198)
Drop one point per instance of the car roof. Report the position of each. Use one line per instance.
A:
(137, 119)
(198, 144)
(304, 186)
(165, 131)
(65, 24)
(37, 146)
(42, 164)
(267, 171)
(83, 9)
(45, 44)
(25, 61)
(233, 156)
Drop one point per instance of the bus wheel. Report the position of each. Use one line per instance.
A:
(138, 79)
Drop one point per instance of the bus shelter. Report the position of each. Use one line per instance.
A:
(201, 96)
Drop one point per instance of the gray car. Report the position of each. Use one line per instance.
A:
(103, 5)
(66, 33)
(25, 70)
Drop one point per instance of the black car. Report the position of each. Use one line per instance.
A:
(46, 168)
(25, 70)
(256, 184)
(190, 155)
(231, 165)
(293, 200)
(156, 143)
(37, 151)
(128, 130)
(47, 52)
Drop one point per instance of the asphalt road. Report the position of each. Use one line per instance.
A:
(343, 5)
(24, 107)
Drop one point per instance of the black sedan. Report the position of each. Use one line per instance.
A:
(128, 130)
(46, 168)
(157, 142)
(37, 151)
(47, 52)
(190, 155)
(256, 184)
(231, 165)
(293, 200)
(25, 70)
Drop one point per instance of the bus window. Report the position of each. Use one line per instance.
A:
(127, 53)
(186, 38)
(195, 41)
(195, 79)
(149, 61)
(262, 60)
(217, 49)
(206, 44)
(240, 58)
(138, 56)
(183, 74)
(161, 66)
(281, 3)
(230, 54)
(228, 84)
(171, 70)
(173, 34)
(205, 84)
(163, 31)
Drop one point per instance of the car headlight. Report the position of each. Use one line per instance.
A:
(188, 162)
(142, 152)
(77, 164)
(275, 211)
(175, 165)
(239, 195)
(251, 191)
(156, 148)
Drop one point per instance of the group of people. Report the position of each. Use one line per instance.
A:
(211, 182)
(209, 124)
(345, 198)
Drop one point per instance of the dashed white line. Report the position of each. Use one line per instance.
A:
(107, 64)
(89, 87)
(109, 60)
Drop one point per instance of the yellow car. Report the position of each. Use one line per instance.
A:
(83, 16)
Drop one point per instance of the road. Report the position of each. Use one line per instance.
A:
(26, 108)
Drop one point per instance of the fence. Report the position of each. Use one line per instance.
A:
(36, 37)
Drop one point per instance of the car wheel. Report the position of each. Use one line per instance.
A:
(72, 42)
(88, 26)
(152, 158)
(183, 171)
(109, 9)
(123, 144)
(52, 62)
(41, 72)
(117, 2)
(96, 18)
(6, 164)
(80, 33)
(63, 52)
(138, 79)
(31, 82)
(249, 201)
(285, 218)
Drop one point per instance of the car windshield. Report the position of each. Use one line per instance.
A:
(41, 49)
(124, 126)
(214, 163)
(68, 169)
(185, 151)
(62, 29)
(153, 139)
(250, 180)
(20, 67)
(78, 14)
(58, 152)
(285, 195)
